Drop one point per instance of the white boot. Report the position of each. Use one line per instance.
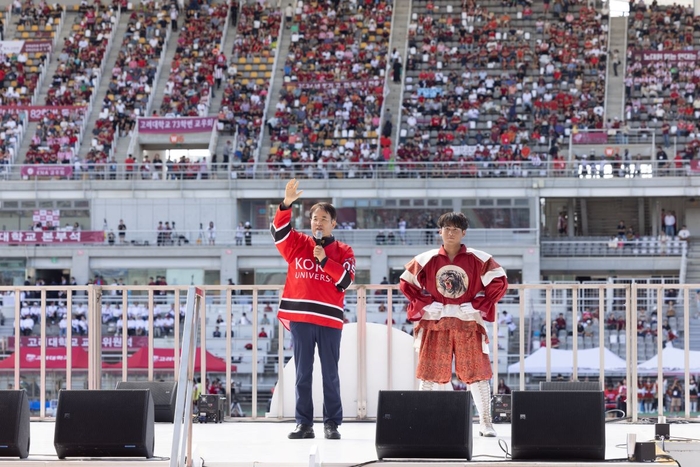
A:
(427, 385)
(481, 393)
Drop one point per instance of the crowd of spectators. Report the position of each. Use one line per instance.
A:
(81, 57)
(19, 73)
(56, 316)
(132, 79)
(137, 319)
(55, 137)
(190, 86)
(648, 324)
(246, 90)
(112, 316)
(73, 84)
(491, 88)
(11, 131)
(34, 16)
(661, 92)
(330, 107)
(649, 391)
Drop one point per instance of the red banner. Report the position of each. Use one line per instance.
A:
(16, 47)
(38, 112)
(596, 137)
(108, 342)
(47, 170)
(161, 125)
(51, 236)
(648, 57)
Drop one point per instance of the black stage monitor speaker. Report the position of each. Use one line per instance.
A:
(564, 425)
(424, 424)
(501, 408)
(212, 408)
(163, 393)
(104, 423)
(14, 429)
(569, 386)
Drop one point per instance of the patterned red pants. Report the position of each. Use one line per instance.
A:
(447, 337)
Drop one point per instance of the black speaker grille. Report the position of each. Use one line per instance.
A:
(558, 425)
(14, 428)
(424, 424)
(569, 386)
(105, 423)
(164, 395)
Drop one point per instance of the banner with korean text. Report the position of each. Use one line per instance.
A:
(360, 84)
(163, 125)
(648, 57)
(590, 137)
(50, 236)
(38, 112)
(47, 170)
(108, 342)
(16, 47)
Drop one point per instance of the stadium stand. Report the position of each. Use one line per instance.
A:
(189, 87)
(20, 75)
(81, 62)
(330, 107)
(661, 92)
(132, 79)
(500, 83)
(248, 82)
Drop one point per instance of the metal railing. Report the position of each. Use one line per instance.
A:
(599, 168)
(529, 300)
(614, 247)
(262, 237)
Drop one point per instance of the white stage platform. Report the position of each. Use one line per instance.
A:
(265, 444)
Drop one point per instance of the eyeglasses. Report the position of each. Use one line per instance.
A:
(452, 230)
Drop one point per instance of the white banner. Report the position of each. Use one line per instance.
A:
(15, 47)
(464, 150)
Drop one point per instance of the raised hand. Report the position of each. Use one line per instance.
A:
(291, 192)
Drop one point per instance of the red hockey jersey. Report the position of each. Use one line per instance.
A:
(313, 293)
(473, 277)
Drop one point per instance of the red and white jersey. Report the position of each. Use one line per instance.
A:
(313, 293)
(473, 277)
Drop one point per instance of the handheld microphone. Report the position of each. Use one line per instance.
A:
(318, 236)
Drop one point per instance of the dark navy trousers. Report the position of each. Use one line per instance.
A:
(305, 338)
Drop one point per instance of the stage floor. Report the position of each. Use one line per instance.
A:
(265, 444)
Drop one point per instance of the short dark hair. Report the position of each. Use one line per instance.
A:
(453, 219)
(328, 207)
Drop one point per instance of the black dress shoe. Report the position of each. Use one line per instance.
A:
(330, 430)
(301, 432)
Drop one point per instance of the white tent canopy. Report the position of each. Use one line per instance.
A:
(673, 361)
(562, 361)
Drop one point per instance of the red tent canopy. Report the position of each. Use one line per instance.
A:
(30, 358)
(164, 359)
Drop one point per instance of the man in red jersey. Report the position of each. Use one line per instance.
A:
(452, 290)
(320, 270)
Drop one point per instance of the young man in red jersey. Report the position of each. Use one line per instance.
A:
(320, 270)
(452, 290)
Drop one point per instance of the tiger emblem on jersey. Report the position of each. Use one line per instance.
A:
(452, 281)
